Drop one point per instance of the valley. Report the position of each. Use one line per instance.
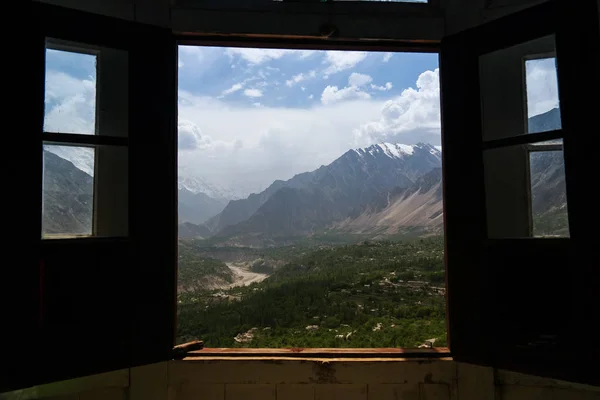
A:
(368, 294)
(350, 254)
(243, 276)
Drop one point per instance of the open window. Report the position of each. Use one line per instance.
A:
(98, 135)
(310, 201)
(514, 119)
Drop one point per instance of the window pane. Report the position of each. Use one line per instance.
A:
(519, 91)
(525, 192)
(86, 89)
(310, 199)
(68, 191)
(554, 143)
(548, 194)
(70, 99)
(85, 191)
(541, 81)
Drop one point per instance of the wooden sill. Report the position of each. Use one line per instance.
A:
(390, 354)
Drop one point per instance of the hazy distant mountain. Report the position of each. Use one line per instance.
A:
(188, 230)
(547, 121)
(192, 182)
(197, 207)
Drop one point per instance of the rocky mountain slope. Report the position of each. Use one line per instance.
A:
(315, 199)
(418, 207)
(67, 198)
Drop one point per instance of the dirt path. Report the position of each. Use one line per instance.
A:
(244, 277)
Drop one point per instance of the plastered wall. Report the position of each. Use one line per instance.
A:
(215, 379)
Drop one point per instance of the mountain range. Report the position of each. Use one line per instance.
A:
(384, 189)
(312, 201)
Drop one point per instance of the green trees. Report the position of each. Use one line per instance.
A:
(376, 294)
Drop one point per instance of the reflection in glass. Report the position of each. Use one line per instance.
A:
(68, 191)
(70, 92)
(548, 194)
(542, 95)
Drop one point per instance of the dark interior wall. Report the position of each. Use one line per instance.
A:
(263, 17)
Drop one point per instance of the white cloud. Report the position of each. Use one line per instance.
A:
(412, 117)
(300, 77)
(197, 55)
(387, 86)
(331, 94)
(341, 60)
(356, 79)
(247, 146)
(257, 145)
(234, 88)
(387, 56)
(542, 86)
(70, 104)
(252, 93)
(190, 137)
(259, 56)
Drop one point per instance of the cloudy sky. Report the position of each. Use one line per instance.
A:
(250, 116)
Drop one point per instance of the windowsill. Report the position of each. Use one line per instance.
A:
(320, 354)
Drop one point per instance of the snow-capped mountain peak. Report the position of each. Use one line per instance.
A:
(398, 150)
(196, 184)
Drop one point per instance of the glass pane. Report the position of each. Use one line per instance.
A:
(86, 89)
(310, 199)
(84, 191)
(70, 99)
(556, 142)
(548, 194)
(68, 191)
(525, 192)
(507, 192)
(541, 81)
(519, 91)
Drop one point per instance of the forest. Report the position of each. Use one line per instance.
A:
(368, 294)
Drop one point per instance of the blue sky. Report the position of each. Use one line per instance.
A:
(288, 79)
(250, 116)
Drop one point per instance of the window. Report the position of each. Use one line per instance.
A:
(85, 142)
(523, 160)
(549, 215)
(310, 199)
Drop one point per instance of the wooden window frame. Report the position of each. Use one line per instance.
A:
(93, 141)
(316, 44)
(330, 7)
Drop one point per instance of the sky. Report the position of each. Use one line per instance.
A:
(250, 116)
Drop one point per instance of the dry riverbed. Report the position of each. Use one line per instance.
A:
(242, 276)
